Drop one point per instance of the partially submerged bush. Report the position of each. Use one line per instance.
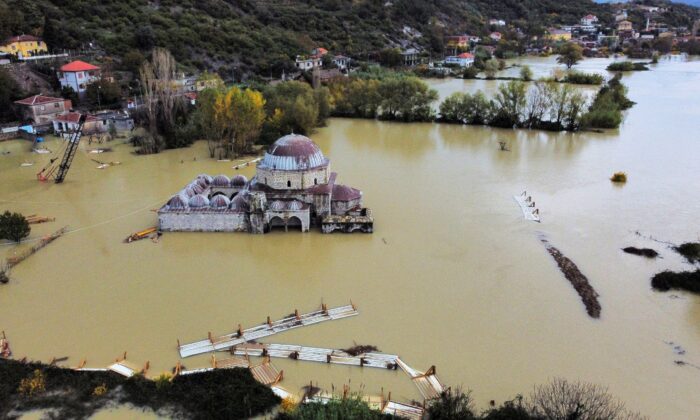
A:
(627, 66)
(13, 226)
(690, 250)
(581, 78)
(619, 177)
(685, 280)
(644, 252)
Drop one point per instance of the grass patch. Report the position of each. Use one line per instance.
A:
(580, 78)
(627, 66)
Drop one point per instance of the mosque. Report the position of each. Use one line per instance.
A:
(293, 188)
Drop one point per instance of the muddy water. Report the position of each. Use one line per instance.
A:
(453, 276)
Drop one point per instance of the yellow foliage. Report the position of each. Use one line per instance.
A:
(288, 405)
(100, 390)
(32, 385)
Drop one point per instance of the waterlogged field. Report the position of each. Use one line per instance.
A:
(453, 276)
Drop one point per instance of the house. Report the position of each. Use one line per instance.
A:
(99, 123)
(410, 57)
(558, 35)
(78, 75)
(624, 25)
(497, 22)
(24, 46)
(306, 63)
(319, 52)
(341, 61)
(496, 36)
(191, 97)
(589, 20)
(461, 60)
(455, 42)
(620, 16)
(43, 109)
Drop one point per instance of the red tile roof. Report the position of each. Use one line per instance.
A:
(20, 38)
(78, 66)
(38, 99)
(466, 55)
(73, 117)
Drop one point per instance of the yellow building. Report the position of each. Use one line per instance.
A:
(24, 46)
(558, 35)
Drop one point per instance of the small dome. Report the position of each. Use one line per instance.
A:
(198, 189)
(294, 205)
(277, 205)
(221, 181)
(177, 202)
(239, 203)
(199, 201)
(201, 182)
(189, 192)
(219, 201)
(239, 181)
(207, 178)
(345, 193)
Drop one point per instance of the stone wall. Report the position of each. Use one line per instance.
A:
(285, 215)
(293, 180)
(203, 221)
(341, 207)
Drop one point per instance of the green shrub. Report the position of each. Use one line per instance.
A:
(686, 280)
(13, 227)
(580, 78)
(620, 177)
(690, 250)
(627, 66)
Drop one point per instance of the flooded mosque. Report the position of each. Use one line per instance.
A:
(293, 188)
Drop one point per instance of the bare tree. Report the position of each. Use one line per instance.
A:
(564, 400)
(537, 104)
(158, 83)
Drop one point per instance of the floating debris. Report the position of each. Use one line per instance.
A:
(33, 219)
(41, 151)
(527, 205)
(580, 282)
(25, 164)
(140, 235)
(237, 167)
(5, 351)
(14, 260)
(644, 252)
(102, 150)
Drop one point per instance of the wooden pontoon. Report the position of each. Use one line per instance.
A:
(269, 328)
(427, 383)
(320, 355)
(527, 205)
(266, 373)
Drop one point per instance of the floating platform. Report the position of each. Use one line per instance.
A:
(427, 383)
(241, 336)
(320, 355)
(527, 206)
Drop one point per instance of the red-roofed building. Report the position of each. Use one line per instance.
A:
(496, 36)
(462, 60)
(77, 75)
(43, 109)
(68, 123)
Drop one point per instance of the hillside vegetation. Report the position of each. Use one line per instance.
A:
(235, 36)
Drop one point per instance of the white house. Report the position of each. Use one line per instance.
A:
(496, 36)
(305, 63)
(341, 61)
(462, 60)
(497, 22)
(78, 75)
(589, 20)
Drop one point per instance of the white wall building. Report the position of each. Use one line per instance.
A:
(78, 75)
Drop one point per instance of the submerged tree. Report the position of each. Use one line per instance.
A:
(570, 54)
(13, 226)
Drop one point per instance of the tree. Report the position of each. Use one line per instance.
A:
(390, 57)
(132, 61)
(564, 400)
(452, 405)
(10, 91)
(103, 93)
(13, 226)
(526, 73)
(510, 102)
(406, 99)
(491, 68)
(157, 83)
(570, 54)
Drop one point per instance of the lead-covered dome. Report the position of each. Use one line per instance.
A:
(293, 152)
(239, 181)
(219, 201)
(199, 201)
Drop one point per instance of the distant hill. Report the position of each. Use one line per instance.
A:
(259, 35)
(695, 3)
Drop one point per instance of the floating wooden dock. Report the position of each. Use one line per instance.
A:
(527, 205)
(140, 235)
(427, 383)
(320, 355)
(267, 329)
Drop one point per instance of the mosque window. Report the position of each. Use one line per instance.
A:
(289, 184)
(315, 181)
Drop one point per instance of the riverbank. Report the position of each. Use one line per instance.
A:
(67, 393)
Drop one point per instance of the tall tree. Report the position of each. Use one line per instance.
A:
(159, 93)
(570, 54)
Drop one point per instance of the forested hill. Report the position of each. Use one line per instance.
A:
(260, 35)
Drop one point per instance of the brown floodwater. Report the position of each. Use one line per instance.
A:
(453, 276)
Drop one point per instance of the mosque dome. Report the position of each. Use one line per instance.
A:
(293, 152)
(344, 193)
(219, 201)
(189, 192)
(221, 181)
(177, 202)
(198, 189)
(207, 178)
(201, 182)
(239, 181)
(294, 205)
(277, 205)
(239, 203)
(199, 201)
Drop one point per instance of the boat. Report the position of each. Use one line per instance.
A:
(140, 235)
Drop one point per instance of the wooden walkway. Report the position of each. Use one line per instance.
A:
(320, 355)
(530, 212)
(427, 383)
(292, 321)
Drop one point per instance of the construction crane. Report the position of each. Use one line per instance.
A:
(60, 170)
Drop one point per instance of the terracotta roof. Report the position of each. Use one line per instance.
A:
(20, 38)
(73, 117)
(78, 66)
(345, 193)
(466, 55)
(39, 99)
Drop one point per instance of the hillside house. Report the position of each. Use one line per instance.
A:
(461, 60)
(410, 57)
(341, 61)
(306, 63)
(496, 36)
(589, 20)
(624, 25)
(497, 22)
(78, 75)
(24, 46)
(43, 109)
(457, 42)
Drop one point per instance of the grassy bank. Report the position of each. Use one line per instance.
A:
(67, 393)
